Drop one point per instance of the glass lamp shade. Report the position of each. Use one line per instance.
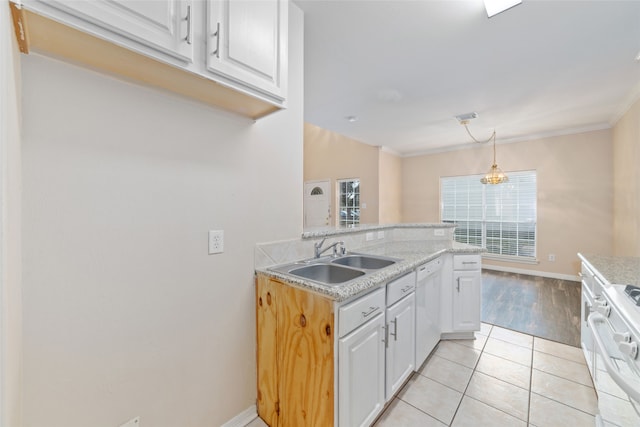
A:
(494, 176)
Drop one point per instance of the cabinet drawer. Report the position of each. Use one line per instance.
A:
(400, 288)
(467, 262)
(360, 311)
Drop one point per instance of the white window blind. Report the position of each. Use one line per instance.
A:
(500, 218)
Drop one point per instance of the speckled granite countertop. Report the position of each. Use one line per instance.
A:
(412, 253)
(337, 231)
(615, 270)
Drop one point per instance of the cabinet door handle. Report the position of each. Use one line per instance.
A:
(395, 329)
(216, 52)
(458, 286)
(188, 19)
(370, 312)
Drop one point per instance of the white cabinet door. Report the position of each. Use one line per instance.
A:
(401, 343)
(164, 25)
(247, 43)
(466, 300)
(361, 374)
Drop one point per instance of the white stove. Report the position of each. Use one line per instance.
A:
(614, 324)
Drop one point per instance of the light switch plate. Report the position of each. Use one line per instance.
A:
(216, 241)
(438, 232)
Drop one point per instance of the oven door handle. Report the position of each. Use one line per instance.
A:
(613, 372)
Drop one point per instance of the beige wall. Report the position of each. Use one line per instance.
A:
(626, 161)
(575, 186)
(10, 245)
(390, 187)
(328, 155)
(125, 313)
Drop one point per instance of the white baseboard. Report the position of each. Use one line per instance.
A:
(243, 418)
(531, 272)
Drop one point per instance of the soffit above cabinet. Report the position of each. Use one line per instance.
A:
(42, 34)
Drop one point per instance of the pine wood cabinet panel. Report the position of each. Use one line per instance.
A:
(296, 386)
(266, 350)
(305, 332)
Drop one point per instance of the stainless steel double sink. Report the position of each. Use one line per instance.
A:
(334, 271)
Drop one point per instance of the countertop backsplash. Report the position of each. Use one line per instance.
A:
(355, 239)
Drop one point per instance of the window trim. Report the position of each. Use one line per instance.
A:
(348, 223)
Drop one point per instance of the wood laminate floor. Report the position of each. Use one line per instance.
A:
(539, 306)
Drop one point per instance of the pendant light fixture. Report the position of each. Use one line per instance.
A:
(495, 174)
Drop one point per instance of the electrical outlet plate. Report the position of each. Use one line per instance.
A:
(134, 422)
(552, 257)
(369, 236)
(381, 234)
(216, 241)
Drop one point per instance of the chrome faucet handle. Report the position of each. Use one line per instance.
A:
(342, 249)
(316, 248)
(318, 245)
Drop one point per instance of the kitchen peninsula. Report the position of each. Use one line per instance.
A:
(334, 351)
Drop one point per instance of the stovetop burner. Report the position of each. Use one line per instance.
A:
(634, 293)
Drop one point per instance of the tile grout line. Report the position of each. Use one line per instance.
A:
(464, 393)
(533, 344)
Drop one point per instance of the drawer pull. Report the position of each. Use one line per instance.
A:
(469, 262)
(407, 289)
(370, 312)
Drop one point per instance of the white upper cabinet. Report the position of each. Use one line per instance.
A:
(247, 44)
(163, 25)
(228, 53)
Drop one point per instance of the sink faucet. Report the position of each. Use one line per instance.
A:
(317, 248)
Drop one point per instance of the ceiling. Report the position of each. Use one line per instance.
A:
(406, 68)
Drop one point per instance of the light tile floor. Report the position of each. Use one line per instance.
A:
(502, 378)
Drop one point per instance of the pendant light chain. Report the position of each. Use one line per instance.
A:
(495, 175)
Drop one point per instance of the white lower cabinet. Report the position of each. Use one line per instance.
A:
(361, 374)
(361, 359)
(400, 343)
(467, 283)
(461, 295)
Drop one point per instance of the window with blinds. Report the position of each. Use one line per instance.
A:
(500, 218)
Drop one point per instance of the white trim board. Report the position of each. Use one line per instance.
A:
(243, 419)
(531, 272)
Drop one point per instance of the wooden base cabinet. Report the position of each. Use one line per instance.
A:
(324, 363)
(295, 356)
